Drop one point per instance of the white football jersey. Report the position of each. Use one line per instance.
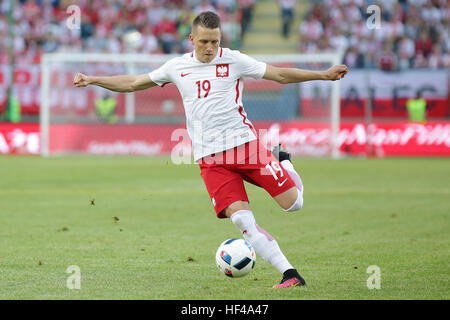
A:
(212, 98)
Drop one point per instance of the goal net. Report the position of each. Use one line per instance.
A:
(94, 120)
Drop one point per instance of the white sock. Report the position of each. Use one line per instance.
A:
(287, 165)
(263, 243)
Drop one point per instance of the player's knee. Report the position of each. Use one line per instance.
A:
(297, 204)
(235, 207)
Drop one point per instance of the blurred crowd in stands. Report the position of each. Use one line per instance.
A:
(164, 25)
(413, 33)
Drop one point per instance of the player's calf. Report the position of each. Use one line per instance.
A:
(290, 200)
(263, 243)
(298, 204)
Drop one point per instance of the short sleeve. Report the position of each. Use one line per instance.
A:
(250, 67)
(162, 75)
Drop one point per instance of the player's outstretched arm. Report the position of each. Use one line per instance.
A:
(293, 75)
(123, 83)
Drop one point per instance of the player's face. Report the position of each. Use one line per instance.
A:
(206, 43)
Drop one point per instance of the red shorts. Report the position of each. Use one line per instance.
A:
(224, 174)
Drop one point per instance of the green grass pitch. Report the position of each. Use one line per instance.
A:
(144, 228)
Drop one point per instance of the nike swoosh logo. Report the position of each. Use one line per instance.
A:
(186, 74)
(281, 183)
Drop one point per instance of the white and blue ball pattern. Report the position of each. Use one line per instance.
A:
(235, 257)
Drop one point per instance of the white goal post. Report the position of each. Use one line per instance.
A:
(133, 64)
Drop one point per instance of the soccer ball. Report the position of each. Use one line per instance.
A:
(235, 257)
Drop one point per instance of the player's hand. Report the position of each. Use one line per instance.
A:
(81, 80)
(336, 72)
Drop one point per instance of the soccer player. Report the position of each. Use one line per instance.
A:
(224, 142)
